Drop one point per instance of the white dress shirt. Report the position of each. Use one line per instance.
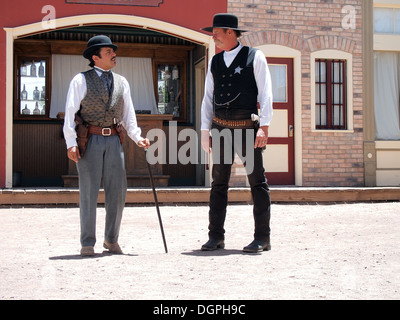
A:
(264, 85)
(76, 93)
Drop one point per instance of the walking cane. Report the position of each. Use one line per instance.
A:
(156, 201)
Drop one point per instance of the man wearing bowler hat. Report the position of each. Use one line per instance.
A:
(238, 78)
(100, 102)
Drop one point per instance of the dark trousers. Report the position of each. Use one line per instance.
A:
(221, 172)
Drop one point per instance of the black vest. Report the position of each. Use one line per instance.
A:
(235, 88)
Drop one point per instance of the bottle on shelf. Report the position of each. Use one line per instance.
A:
(41, 70)
(26, 110)
(36, 110)
(24, 94)
(166, 95)
(167, 73)
(176, 112)
(172, 94)
(33, 69)
(160, 95)
(43, 93)
(24, 70)
(36, 94)
(175, 73)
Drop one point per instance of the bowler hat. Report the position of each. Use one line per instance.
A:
(224, 21)
(97, 42)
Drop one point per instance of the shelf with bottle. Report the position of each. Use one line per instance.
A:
(33, 68)
(32, 98)
(30, 103)
(35, 96)
(169, 90)
(33, 109)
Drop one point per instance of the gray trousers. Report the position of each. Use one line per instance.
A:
(103, 159)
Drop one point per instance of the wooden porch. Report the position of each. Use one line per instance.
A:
(189, 196)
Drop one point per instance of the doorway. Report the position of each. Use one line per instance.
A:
(279, 160)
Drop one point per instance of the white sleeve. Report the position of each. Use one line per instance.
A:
(207, 111)
(264, 85)
(76, 93)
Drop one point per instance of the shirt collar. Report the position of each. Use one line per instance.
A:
(235, 51)
(99, 71)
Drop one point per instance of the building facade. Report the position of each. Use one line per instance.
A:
(324, 118)
(336, 113)
(383, 36)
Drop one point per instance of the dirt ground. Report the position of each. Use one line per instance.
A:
(319, 252)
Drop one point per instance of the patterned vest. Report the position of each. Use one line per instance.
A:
(235, 88)
(98, 108)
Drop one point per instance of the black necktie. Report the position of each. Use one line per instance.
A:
(106, 77)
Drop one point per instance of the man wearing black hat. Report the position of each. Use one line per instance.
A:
(100, 101)
(238, 78)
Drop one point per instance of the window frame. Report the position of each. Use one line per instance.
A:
(182, 64)
(330, 104)
(394, 27)
(18, 86)
(333, 55)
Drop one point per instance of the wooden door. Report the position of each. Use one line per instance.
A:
(279, 155)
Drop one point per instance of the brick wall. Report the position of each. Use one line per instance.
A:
(328, 158)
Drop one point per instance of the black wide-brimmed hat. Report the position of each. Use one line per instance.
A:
(225, 21)
(97, 42)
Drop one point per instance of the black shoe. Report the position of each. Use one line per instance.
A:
(213, 244)
(257, 246)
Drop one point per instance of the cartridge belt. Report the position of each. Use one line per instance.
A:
(234, 124)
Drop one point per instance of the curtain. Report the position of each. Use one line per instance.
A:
(138, 72)
(387, 95)
(64, 68)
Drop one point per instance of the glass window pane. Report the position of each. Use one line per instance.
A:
(337, 115)
(317, 71)
(320, 115)
(320, 91)
(386, 74)
(337, 73)
(169, 89)
(397, 21)
(320, 71)
(383, 20)
(337, 94)
(279, 82)
(323, 116)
